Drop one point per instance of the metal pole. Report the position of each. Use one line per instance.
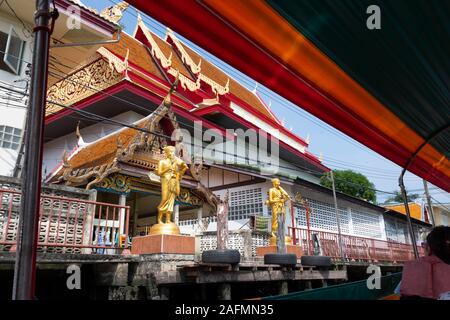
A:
(27, 237)
(338, 220)
(294, 241)
(430, 210)
(408, 214)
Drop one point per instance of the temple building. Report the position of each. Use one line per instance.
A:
(112, 109)
(128, 82)
(16, 38)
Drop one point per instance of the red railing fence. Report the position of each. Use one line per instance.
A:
(68, 225)
(354, 248)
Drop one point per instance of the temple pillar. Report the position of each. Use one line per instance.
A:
(88, 231)
(122, 213)
(135, 217)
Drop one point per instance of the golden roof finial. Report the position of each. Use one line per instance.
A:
(114, 13)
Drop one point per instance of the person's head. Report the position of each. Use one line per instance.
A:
(438, 242)
(276, 182)
(169, 151)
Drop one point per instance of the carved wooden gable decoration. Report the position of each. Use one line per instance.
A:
(139, 145)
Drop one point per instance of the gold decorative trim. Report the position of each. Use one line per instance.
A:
(185, 57)
(114, 61)
(78, 177)
(185, 82)
(155, 49)
(117, 182)
(187, 197)
(216, 88)
(114, 13)
(196, 68)
(93, 78)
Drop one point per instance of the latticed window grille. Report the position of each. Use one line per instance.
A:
(366, 224)
(397, 230)
(391, 229)
(244, 203)
(323, 216)
(352, 221)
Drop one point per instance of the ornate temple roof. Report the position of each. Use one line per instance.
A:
(91, 163)
(151, 63)
(238, 90)
(138, 54)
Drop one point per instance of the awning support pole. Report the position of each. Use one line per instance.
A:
(430, 208)
(408, 214)
(338, 220)
(27, 234)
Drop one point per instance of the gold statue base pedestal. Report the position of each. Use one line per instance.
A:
(163, 243)
(164, 228)
(262, 251)
(287, 240)
(272, 248)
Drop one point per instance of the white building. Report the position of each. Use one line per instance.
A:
(16, 44)
(15, 55)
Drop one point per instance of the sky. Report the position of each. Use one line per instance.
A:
(339, 150)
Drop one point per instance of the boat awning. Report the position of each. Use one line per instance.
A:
(387, 88)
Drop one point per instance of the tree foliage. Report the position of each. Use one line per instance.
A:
(398, 197)
(352, 183)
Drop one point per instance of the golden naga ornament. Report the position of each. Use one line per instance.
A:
(277, 201)
(170, 170)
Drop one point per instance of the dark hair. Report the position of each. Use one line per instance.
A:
(439, 242)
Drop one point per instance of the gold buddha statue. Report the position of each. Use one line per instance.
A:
(170, 170)
(277, 201)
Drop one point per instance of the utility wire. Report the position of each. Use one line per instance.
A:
(99, 118)
(249, 82)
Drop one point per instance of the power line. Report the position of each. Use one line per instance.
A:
(243, 79)
(98, 118)
(379, 176)
(448, 208)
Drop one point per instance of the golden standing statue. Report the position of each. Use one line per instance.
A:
(277, 201)
(171, 170)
